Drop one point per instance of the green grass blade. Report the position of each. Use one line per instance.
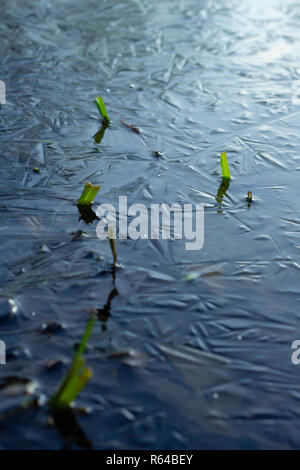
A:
(58, 399)
(77, 375)
(85, 338)
(75, 386)
(88, 194)
(101, 108)
(225, 166)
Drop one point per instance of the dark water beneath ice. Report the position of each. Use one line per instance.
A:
(206, 363)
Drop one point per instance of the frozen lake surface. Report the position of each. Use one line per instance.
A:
(176, 364)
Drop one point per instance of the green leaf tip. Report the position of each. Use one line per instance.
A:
(225, 167)
(101, 108)
(191, 277)
(88, 194)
